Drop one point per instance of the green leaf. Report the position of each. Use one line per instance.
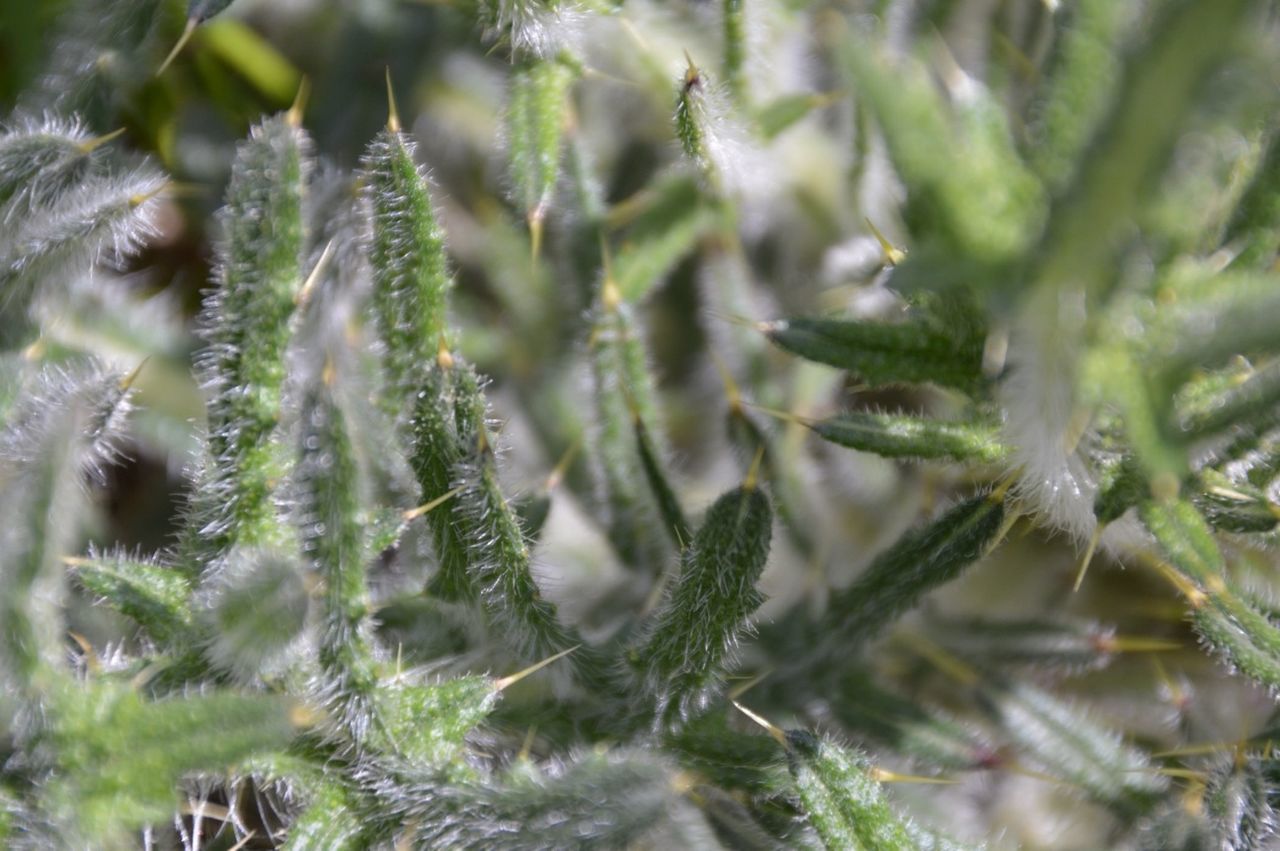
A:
(1254, 228)
(246, 325)
(689, 641)
(785, 111)
(843, 803)
(1061, 741)
(655, 474)
(919, 562)
(407, 258)
(536, 121)
(1080, 83)
(902, 436)
(624, 392)
(498, 559)
(966, 186)
(152, 595)
(332, 537)
(120, 758)
(923, 347)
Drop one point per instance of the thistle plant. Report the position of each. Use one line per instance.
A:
(625, 425)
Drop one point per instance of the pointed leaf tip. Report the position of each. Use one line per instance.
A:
(393, 114)
(187, 32)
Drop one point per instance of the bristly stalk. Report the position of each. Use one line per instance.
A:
(246, 325)
(536, 124)
(498, 559)
(332, 538)
(624, 393)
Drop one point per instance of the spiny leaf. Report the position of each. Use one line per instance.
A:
(152, 595)
(435, 451)
(1081, 79)
(1256, 220)
(539, 101)
(624, 391)
(498, 559)
(254, 609)
(923, 347)
(843, 803)
(40, 498)
(902, 436)
(407, 258)
(673, 519)
(100, 216)
(919, 562)
(332, 538)
(610, 799)
(688, 643)
(246, 325)
(1060, 740)
(1240, 800)
(121, 758)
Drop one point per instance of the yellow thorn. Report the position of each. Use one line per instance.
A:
(294, 115)
(301, 715)
(731, 391)
(881, 775)
(774, 730)
(309, 285)
(128, 380)
(1199, 750)
(507, 682)
(88, 146)
(534, 217)
(36, 350)
(188, 31)
(414, 513)
(91, 660)
(444, 359)
(691, 73)
(393, 115)
(753, 472)
(329, 375)
(746, 685)
(995, 351)
(562, 466)
(1012, 514)
(526, 747)
(136, 201)
(1088, 557)
(892, 254)
(945, 662)
(785, 416)
(77, 561)
(248, 837)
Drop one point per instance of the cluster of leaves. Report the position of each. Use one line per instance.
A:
(1072, 337)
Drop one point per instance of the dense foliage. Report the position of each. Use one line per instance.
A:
(707, 452)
